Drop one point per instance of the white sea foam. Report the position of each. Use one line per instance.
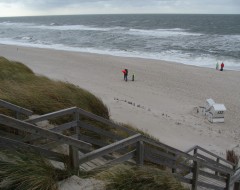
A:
(169, 55)
(162, 32)
(70, 27)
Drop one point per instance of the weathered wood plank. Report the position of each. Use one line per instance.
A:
(140, 153)
(52, 115)
(214, 168)
(236, 176)
(122, 158)
(191, 149)
(100, 131)
(106, 121)
(195, 175)
(168, 163)
(210, 186)
(57, 129)
(110, 148)
(183, 179)
(212, 176)
(91, 140)
(9, 143)
(74, 157)
(167, 148)
(16, 108)
(11, 135)
(213, 162)
(152, 150)
(64, 126)
(185, 155)
(214, 155)
(30, 128)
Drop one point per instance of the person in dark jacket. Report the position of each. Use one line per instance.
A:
(222, 65)
(125, 74)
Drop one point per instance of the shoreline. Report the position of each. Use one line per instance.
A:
(115, 55)
(161, 99)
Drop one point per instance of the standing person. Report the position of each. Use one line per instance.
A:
(222, 65)
(133, 76)
(217, 66)
(125, 74)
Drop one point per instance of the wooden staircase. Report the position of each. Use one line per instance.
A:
(88, 146)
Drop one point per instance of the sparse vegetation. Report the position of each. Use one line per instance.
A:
(29, 171)
(126, 177)
(232, 156)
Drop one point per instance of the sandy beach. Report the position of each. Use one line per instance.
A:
(160, 101)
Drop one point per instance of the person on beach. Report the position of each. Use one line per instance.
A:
(125, 74)
(222, 65)
(217, 66)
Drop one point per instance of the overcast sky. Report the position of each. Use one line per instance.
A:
(69, 7)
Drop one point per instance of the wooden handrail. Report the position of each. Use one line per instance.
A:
(15, 108)
(27, 127)
(196, 147)
(110, 148)
(52, 115)
(188, 156)
(104, 120)
(9, 143)
(216, 156)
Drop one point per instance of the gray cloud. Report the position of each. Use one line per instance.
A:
(134, 6)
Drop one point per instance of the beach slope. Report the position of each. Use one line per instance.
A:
(160, 101)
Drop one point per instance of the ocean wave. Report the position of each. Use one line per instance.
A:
(15, 24)
(203, 60)
(71, 27)
(163, 32)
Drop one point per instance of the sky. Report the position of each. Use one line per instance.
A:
(73, 7)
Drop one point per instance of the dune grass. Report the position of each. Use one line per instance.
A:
(20, 86)
(29, 171)
(126, 177)
(232, 157)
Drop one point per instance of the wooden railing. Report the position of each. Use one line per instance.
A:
(204, 154)
(17, 109)
(197, 166)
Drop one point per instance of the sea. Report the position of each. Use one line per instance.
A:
(200, 40)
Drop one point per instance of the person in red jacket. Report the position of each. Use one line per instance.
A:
(222, 65)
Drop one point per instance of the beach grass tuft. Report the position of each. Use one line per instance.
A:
(125, 177)
(29, 170)
(232, 156)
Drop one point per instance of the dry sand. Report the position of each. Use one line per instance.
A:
(161, 99)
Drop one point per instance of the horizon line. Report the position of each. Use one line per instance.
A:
(123, 14)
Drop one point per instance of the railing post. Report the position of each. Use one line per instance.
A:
(236, 186)
(194, 151)
(74, 159)
(17, 115)
(228, 182)
(195, 175)
(140, 153)
(174, 169)
(216, 173)
(77, 128)
(73, 151)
